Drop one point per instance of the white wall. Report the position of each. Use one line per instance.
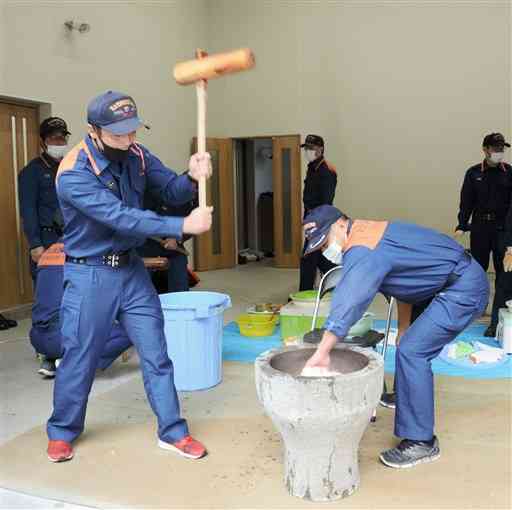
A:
(2, 43)
(402, 91)
(132, 46)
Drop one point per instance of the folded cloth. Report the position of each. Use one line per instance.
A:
(486, 356)
(480, 346)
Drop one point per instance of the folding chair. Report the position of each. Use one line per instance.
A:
(327, 284)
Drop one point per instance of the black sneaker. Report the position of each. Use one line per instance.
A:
(47, 368)
(409, 453)
(388, 400)
(9, 323)
(490, 332)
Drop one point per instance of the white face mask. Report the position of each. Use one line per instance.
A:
(334, 253)
(310, 155)
(497, 157)
(57, 151)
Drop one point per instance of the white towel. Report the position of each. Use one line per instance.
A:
(485, 356)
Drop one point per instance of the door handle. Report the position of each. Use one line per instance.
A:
(19, 255)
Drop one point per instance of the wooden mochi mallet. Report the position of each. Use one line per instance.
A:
(203, 68)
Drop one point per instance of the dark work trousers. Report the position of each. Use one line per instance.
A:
(308, 266)
(503, 294)
(486, 238)
(177, 273)
(48, 237)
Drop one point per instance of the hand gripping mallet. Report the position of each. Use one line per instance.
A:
(199, 71)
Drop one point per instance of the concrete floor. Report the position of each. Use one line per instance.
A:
(117, 399)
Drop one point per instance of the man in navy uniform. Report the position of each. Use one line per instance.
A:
(504, 283)
(45, 335)
(319, 189)
(101, 185)
(414, 264)
(39, 207)
(485, 199)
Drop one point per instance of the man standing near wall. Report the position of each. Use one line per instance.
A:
(485, 198)
(319, 189)
(504, 283)
(39, 207)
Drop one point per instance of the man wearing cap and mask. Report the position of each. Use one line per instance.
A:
(45, 335)
(504, 282)
(39, 207)
(485, 198)
(319, 189)
(101, 185)
(413, 264)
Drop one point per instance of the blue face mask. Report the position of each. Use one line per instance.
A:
(334, 253)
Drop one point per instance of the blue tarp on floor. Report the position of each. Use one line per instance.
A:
(243, 349)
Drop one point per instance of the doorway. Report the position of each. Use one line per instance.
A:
(256, 194)
(19, 143)
(254, 199)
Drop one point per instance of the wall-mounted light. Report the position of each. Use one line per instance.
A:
(78, 26)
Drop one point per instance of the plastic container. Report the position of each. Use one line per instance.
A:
(504, 330)
(307, 296)
(257, 325)
(296, 320)
(193, 323)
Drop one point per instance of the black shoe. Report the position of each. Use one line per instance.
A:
(8, 322)
(409, 453)
(490, 332)
(47, 368)
(388, 400)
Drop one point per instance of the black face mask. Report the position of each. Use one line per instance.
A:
(114, 155)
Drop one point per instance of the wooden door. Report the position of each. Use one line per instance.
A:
(216, 249)
(287, 180)
(19, 143)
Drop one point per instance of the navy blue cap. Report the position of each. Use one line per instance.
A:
(323, 217)
(115, 112)
(495, 140)
(313, 141)
(53, 125)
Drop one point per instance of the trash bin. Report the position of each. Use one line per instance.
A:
(193, 323)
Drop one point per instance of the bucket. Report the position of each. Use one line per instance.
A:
(193, 323)
(257, 325)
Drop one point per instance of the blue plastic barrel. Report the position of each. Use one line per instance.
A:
(193, 330)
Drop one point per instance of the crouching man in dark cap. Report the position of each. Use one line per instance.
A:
(413, 264)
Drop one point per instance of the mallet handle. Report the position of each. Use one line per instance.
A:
(201, 126)
(201, 134)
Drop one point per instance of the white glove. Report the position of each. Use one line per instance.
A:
(507, 262)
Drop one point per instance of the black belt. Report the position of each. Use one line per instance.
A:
(116, 260)
(57, 230)
(485, 216)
